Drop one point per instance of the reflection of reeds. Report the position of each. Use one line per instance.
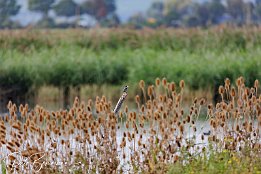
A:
(88, 137)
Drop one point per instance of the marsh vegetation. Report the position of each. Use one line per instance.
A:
(159, 136)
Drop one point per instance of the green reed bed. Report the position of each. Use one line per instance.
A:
(72, 58)
(75, 66)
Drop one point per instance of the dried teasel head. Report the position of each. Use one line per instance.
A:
(172, 86)
(157, 81)
(227, 83)
(137, 99)
(202, 101)
(150, 91)
(164, 82)
(221, 90)
(256, 83)
(142, 84)
(182, 84)
(233, 92)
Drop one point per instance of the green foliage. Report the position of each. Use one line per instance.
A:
(66, 8)
(217, 162)
(100, 9)
(3, 167)
(8, 8)
(202, 59)
(40, 6)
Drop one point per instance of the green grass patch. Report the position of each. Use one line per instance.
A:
(218, 162)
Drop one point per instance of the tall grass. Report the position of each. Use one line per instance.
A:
(218, 38)
(64, 58)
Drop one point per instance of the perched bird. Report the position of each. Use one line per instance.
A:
(121, 100)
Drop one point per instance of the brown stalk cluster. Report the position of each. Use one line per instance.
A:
(89, 137)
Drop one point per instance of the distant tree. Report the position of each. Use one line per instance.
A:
(178, 12)
(257, 11)
(42, 6)
(102, 10)
(156, 12)
(236, 9)
(110, 21)
(178, 4)
(209, 12)
(138, 20)
(66, 8)
(8, 8)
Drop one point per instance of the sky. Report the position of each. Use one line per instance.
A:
(125, 9)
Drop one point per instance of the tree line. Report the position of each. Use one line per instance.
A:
(169, 13)
(188, 13)
(102, 11)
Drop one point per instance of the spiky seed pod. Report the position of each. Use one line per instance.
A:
(237, 128)
(126, 109)
(9, 105)
(238, 82)
(233, 92)
(256, 83)
(182, 84)
(172, 87)
(17, 126)
(242, 80)
(21, 108)
(164, 82)
(142, 108)
(157, 81)
(133, 136)
(188, 119)
(150, 91)
(142, 84)
(181, 128)
(247, 92)
(252, 91)
(227, 83)
(195, 101)
(221, 90)
(137, 99)
(178, 143)
(202, 101)
(178, 98)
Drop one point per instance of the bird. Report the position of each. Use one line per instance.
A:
(121, 100)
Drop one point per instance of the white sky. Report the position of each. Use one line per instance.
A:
(125, 9)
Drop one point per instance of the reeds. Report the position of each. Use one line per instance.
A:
(89, 137)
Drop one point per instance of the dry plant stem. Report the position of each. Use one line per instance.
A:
(90, 135)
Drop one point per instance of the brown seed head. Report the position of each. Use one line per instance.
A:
(221, 90)
(172, 86)
(150, 91)
(256, 84)
(137, 99)
(182, 84)
(157, 82)
(164, 82)
(142, 84)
